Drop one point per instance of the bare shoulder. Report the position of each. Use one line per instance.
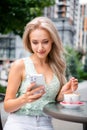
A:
(17, 67)
(18, 64)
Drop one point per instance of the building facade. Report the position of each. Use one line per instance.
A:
(82, 27)
(65, 16)
(11, 48)
(7, 47)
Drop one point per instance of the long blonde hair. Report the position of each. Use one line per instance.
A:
(56, 57)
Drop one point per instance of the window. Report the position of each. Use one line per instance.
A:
(7, 47)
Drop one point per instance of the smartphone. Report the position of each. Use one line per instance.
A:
(38, 79)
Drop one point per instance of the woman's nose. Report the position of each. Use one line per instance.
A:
(40, 46)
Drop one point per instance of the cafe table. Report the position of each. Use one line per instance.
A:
(77, 115)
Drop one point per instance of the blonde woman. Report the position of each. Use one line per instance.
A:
(25, 104)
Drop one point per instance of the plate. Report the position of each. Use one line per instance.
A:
(72, 105)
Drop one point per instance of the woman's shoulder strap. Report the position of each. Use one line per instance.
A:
(28, 65)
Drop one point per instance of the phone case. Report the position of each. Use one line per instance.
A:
(38, 79)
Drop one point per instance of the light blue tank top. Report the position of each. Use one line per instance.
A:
(36, 107)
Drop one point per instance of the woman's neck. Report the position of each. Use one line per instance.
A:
(37, 60)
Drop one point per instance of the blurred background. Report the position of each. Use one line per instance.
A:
(70, 19)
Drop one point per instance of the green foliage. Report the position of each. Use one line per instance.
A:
(14, 14)
(2, 89)
(75, 66)
(82, 75)
(71, 62)
(2, 93)
(85, 65)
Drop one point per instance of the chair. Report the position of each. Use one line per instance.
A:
(0, 122)
(3, 116)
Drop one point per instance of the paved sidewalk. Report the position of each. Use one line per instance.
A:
(65, 125)
(59, 124)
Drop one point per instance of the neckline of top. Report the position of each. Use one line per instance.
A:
(53, 77)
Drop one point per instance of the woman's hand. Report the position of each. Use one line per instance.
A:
(12, 103)
(33, 94)
(69, 87)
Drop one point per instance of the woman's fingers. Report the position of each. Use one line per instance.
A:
(70, 86)
(34, 94)
(35, 97)
(74, 84)
(66, 87)
(32, 87)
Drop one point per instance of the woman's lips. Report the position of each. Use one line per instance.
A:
(41, 52)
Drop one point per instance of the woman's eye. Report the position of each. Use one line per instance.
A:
(35, 42)
(45, 42)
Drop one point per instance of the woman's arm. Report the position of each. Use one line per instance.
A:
(16, 75)
(69, 87)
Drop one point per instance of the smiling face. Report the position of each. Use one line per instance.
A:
(41, 42)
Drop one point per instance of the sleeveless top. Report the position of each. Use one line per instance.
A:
(36, 108)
